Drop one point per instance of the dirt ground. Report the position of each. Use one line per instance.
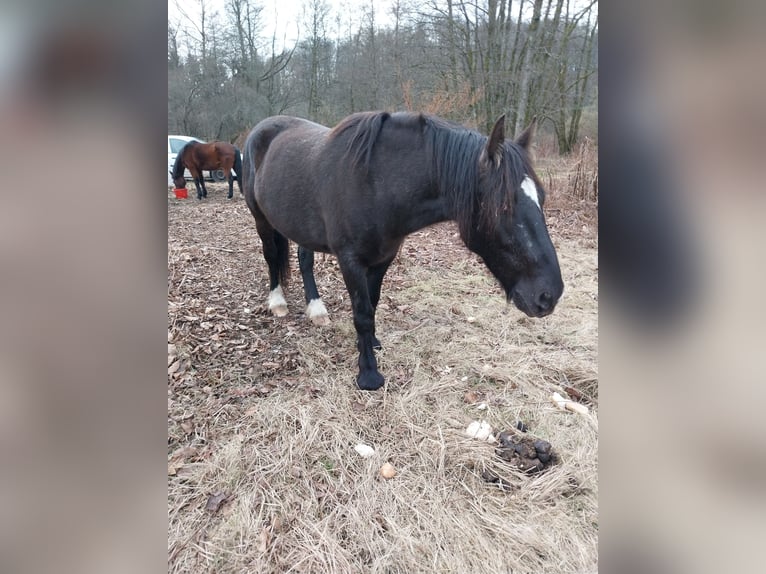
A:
(264, 415)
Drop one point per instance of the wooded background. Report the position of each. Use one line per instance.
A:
(465, 61)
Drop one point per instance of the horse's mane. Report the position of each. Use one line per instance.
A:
(472, 184)
(178, 166)
(366, 126)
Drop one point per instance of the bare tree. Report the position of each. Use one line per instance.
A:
(468, 60)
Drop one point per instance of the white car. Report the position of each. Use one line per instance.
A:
(175, 143)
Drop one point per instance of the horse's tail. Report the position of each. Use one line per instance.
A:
(238, 168)
(283, 257)
(247, 175)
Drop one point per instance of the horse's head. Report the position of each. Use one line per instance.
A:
(179, 182)
(509, 230)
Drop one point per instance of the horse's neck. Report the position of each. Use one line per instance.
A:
(428, 212)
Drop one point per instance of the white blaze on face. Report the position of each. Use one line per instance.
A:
(529, 188)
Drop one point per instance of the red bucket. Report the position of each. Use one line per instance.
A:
(181, 193)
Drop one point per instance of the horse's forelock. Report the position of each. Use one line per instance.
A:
(476, 186)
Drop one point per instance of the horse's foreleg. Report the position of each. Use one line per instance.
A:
(355, 277)
(315, 309)
(374, 281)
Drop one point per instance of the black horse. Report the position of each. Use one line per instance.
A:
(359, 189)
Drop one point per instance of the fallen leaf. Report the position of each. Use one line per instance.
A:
(173, 468)
(215, 501)
(277, 525)
(264, 537)
(187, 427)
(183, 453)
(186, 471)
(358, 406)
(174, 367)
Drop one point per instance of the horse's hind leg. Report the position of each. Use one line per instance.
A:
(230, 178)
(315, 309)
(199, 189)
(275, 252)
(202, 182)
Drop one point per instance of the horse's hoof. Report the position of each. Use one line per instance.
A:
(278, 310)
(370, 380)
(320, 321)
(317, 313)
(277, 303)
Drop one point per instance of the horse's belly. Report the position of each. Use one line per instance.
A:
(300, 222)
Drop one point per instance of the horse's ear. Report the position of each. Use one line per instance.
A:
(525, 139)
(496, 139)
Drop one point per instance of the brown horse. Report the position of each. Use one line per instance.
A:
(196, 156)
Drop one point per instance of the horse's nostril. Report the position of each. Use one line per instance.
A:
(544, 300)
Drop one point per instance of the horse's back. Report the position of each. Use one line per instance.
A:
(298, 130)
(223, 148)
(323, 187)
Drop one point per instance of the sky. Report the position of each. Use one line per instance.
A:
(285, 17)
(281, 16)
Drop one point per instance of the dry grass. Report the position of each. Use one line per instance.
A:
(265, 412)
(576, 173)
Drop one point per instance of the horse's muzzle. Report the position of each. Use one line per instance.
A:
(539, 305)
